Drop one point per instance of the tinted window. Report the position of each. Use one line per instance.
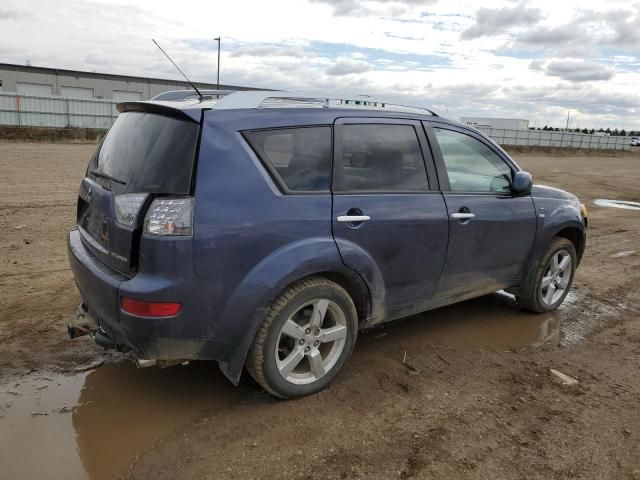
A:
(300, 158)
(471, 165)
(380, 158)
(147, 153)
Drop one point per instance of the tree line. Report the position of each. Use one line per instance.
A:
(614, 133)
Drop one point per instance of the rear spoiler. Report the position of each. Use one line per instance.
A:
(161, 108)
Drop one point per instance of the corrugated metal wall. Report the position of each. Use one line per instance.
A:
(37, 111)
(543, 138)
(97, 85)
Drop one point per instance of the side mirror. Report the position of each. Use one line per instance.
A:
(522, 183)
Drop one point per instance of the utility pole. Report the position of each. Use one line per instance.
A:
(567, 126)
(217, 39)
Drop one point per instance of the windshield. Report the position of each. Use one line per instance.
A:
(145, 152)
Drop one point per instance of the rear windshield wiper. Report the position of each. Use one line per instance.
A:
(98, 173)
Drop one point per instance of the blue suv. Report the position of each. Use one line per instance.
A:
(265, 229)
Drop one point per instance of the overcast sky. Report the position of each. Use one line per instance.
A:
(526, 59)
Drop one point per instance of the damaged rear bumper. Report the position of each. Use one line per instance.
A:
(150, 340)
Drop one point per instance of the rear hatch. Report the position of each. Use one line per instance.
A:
(144, 155)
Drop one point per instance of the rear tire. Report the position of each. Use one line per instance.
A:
(307, 336)
(553, 277)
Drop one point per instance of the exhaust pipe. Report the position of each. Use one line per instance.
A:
(150, 362)
(84, 324)
(144, 362)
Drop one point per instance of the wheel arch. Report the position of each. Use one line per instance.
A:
(572, 231)
(576, 236)
(355, 287)
(247, 306)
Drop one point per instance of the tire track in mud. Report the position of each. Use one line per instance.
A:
(588, 314)
(34, 274)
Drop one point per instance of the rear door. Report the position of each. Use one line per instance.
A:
(389, 219)
(491, 232)
(143, 155)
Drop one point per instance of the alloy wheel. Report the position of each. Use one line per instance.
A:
(556, 278)
(311, 341)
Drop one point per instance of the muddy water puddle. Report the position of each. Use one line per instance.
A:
(493, 322)
(91, 425)
(626, 204)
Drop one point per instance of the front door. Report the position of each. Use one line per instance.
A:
(491, 232)
(389, 225)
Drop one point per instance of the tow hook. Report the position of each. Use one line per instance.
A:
(83, 324)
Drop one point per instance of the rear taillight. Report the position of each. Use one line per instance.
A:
(128, 206)
(150, 309)
(169, 216)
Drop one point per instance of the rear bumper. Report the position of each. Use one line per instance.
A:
(172, 338)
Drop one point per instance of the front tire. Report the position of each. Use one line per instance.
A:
(307, 336)
(553, 277)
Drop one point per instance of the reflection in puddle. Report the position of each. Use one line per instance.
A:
(494, 322)
(126, 409)
(117, 411)
(36, 435)
(601, 202)
(92, 424)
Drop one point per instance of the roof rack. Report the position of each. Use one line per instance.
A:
(266, 99)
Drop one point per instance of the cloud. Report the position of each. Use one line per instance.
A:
(364, 7)
(625, 26)
(469, 90)
(545, 36)
(567, 40)
(346, 66)
(270, 51)
(578, 70)
(582, 97)
(588, 30)
(11, 14)
(403, 37)
(537, 65)
(492, 22)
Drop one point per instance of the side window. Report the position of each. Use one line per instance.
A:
(380, 158)
(471, 165)
(299, 158)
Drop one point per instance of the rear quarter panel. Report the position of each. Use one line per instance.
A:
(250, 240)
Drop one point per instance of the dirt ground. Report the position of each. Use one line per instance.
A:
(462, 392)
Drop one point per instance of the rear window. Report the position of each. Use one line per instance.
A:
(146, 152)
(299, 158)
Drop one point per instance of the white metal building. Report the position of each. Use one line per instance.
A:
(48, 82)
(508, 123)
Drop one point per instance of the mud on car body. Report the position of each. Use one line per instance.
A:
(265, 229)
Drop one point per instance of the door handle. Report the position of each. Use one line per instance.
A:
(353, 218)
(463, 215)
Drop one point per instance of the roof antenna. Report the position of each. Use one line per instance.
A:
(178, 68)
